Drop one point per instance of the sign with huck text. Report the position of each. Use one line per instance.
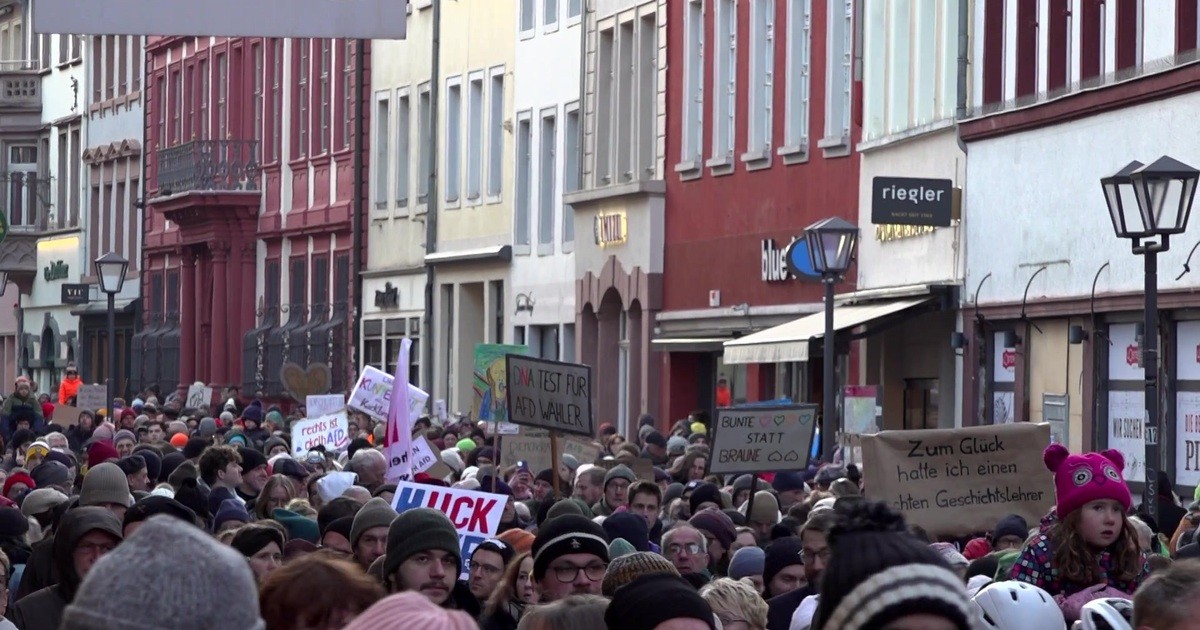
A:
(475, 515)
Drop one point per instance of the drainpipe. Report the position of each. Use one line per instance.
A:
(431, 202)
(356, 230)
(964, 60)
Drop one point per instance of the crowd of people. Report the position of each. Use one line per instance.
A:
(152, 516)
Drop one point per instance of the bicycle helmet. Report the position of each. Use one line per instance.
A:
(1011, 605)
(1109, 613)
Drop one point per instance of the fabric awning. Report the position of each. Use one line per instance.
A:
(788, 342)
(689, 344)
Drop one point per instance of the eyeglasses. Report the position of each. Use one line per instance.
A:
(486, 569)
(824, 554)
(567, 572)
(675, 548)
(90, 548)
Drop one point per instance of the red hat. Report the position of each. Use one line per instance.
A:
(976, 548)
(47, 410)
(100, 452)
(428, 479)
(19, 477)
(179, 440)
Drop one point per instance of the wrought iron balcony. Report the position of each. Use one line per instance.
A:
(208, 165)
(20, 85)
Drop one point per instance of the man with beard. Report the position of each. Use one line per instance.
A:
(423, 555)
(570, 556)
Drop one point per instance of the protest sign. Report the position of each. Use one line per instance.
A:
(488, 383)
(397, 436)
(324, 404)
(533, 446)
(640, 466)
(475, 515)
(65, 415)
(92, 398)
(331, 431)
(762, 439)
(373, 392)
(199, 396)
(424, 457)
(961, 481)
(550, 394)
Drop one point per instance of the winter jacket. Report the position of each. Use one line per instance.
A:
(506, 617)
(43, 609)
(67, 388)
(1036, 565)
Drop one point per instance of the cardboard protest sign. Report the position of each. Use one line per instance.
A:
(476, 515)
(91, 397)
(331, 431)
(961, 481)
(533, 446)
(65, 415)
(198, 395)
(642, 467)
(550, 394)
(762, 439)
(426, 459)
(324, 404)
(373, 391)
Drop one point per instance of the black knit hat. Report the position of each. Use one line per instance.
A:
(154, 504)
(1011, 525)
(567, 534)
(654, 599)
(251, 459)
(705, 493)
(131, 464)
(781, 554)
(339, 526)
(250, 539)
(880, 572)
(13, 524)
(495, 545)
(153, 463)
(194, 447)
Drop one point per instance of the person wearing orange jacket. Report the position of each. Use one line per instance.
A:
(69, 386)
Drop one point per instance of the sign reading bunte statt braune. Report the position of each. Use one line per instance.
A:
(762, 439)
(958, 482)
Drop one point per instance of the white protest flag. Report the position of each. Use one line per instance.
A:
(397, 439)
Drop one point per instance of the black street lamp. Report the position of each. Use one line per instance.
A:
(1147, 204)
(110, 269)
(831, 246)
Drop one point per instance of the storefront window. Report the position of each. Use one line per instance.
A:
(921, 403)
(381, 345)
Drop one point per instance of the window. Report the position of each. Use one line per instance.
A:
(160, 105)
(69, 48)
(496, 134)
(724, 82)
(453, 139)
(110, 65)
(63, 202)
(123, 65)
(383, 120)
(527, 15)
(799, 50)
(176, 106)
(761, 80)
(276, 99)
(474, 136)
(993, 49)
(547, 169)
(76, 167)
(572, 177)
(23, 204)
(302, 122)
(138, 62)
(646, 157)
(1059, 56)
(222, 97)
(1027, 47)
(838, 74)
(256, 53)
(205, 93)
(326, 115)
(626, 123)
(550, 12)
(97, 68)
(348, 112)
(524, 175)
(403, 161)
(425, 139)
(692, 141)
(574, 8)
(605, 98)
(1129, 34)
(626, 67)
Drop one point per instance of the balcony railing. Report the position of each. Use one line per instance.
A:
(204, 165)
(26, 203)
(20, 84)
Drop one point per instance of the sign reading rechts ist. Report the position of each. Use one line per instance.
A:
(373, 391)
(550, 394)
(331, 431)
(959, 481)
(762, 439)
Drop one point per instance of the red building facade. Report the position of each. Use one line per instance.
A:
(249, 231)
(762, 119)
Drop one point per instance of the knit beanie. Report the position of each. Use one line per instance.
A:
(620, 471)
(16, 478)
(408, 610)
(179, 440)
(416, 530)
(655, 438)
(192, 447)
(1011, 525)
(105, 483)
(629, 527)
(563, 535)
(375, 513)
(50, 473)
(569, 506)
(716, 523)
(779, 555)
(298, 527)
(200, 584)
(465, 445)
(251, 459)
(207, 427)
(619, 547)
(976, 548)
(251, 539)
(153, 505)
(788, 481)
(131, 464)
(496, 546)
(879, 572)
(170, 462)
(230, 510)
(654, 599)
(766, 508)
(100, 452)
(274, 441)
(1080, 479)
(627, 568)
(743, 483)
(829, 474)
(747, 561)
(42, 500)
(705, 493)
(13, 524)
(153, 463)
(340, 526)
(676, 445)
(124, 434)
(518, 539)
(253, 412)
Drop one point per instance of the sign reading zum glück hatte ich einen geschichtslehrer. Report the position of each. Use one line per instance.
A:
(912, 201)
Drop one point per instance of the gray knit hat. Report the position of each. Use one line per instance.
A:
(216, 590)
(620, 471)
(374, 513)
(105, 483)
(42, 500)
(417, 530)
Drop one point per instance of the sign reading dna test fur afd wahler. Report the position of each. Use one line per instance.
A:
(762, 439)
(550, 394)
(961, 481)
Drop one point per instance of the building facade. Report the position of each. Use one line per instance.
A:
(621, 205)
(1055, 298)
(472, 253)
(762, 123)
(251, 235)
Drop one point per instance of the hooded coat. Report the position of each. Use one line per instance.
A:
(44, 609)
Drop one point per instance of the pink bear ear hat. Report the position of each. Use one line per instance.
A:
(1081, 479)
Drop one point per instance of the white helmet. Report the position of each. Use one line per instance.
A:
(1109, 613)
(1012, 605)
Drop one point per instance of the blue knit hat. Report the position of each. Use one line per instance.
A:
(747, 561)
